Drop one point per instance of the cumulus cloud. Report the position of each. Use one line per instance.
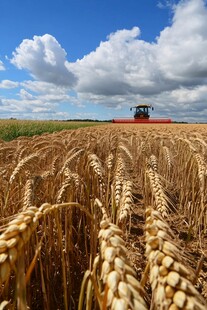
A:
(46, 92)
(186, 95)
(38, 100)
(24, 108)
(122, 65)
(40, 87)
(45, 60)
(26, 95)
(8, 84)
(42, 110)
(127, 65)
(170, 72)
(181, 48)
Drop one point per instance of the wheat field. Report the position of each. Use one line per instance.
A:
(109, 217)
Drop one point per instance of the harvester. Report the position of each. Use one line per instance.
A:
(142, 116)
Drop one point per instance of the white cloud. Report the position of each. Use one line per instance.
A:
(121, 65)
(1, 66)
(186, 95)
(124, 70)
(27, 109)
(24, 95)
(125, 65)
(127, 68)
(41, 110)
(38, 101)
(181, 48)
(8, 84)
(52, 93)
(47, 92)
(45, 59)
(41, 87)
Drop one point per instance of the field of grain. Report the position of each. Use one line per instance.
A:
(11, 129)
(109, 217)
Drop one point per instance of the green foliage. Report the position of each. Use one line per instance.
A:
(12, 129)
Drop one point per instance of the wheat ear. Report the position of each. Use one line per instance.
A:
(171, 281)
(121, 288)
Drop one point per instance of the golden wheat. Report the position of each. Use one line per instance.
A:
(73, 232)
(171, 281)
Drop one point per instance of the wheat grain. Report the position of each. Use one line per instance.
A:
(71, 159)
(125, 203)
(153, 162)
(22, 165)
(123, 288)
(161, 203)
(171, 282)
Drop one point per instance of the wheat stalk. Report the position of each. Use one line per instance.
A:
(95, 164)
(125, 203)
(22, 165)
(170, 280)
(168, 160)
(161, 203)
(109, 161)
(153, 163)
(115, 279)
(18, 232)
(71, 159)
(126, 151)
(64, 188)
(118, 180)
(116, 272)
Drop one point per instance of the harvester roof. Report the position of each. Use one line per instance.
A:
(143, 106)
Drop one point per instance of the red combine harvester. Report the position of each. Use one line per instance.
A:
(142, 116)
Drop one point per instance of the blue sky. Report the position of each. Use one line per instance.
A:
(94, 59)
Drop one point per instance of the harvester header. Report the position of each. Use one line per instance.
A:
(141, 115)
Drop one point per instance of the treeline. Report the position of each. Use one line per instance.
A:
(86, 120)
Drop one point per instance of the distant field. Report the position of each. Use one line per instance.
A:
(12, 129)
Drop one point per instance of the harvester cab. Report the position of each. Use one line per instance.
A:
(142, 116)
(142, 111)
